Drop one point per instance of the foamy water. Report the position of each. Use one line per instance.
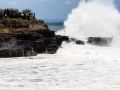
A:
(95, 18)
(73, 67)
(87, 68)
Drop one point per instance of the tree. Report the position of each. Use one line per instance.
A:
(26, 11)
(1, 11)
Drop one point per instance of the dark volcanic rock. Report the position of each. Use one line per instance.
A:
(77, 41)
(44, 33)
(5, 53)
(19, 44)
(52, 48)
(80, 42)
(101, 41)
(60, 39)
(45, 25)
(39, 46)
(46, 41)
(29, 51)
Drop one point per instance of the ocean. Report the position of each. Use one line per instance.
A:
(55, 24)
(73, 67)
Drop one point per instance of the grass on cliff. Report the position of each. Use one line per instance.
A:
(19, 23)
(7, 22)
(36, 22)
(1, 27)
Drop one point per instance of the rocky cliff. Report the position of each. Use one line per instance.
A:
(18, 44)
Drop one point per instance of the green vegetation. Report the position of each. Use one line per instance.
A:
(1, 11)
(12, 18)
(1, 27)
(9, 22)
(27, 11)
(6, 21)
(35, 21)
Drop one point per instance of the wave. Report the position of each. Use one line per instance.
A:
(93, 18)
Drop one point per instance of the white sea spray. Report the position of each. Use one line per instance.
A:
(94, 18)
(73, 67)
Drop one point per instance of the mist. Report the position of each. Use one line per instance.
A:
(93, 18)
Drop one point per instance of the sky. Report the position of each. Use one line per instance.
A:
(46, 9)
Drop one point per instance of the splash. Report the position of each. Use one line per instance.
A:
(93, 18)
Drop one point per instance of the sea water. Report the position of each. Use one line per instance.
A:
(73, 67)
(55, 24)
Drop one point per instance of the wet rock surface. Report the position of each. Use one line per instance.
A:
(100, 41)
(19, 44)
(76, 41)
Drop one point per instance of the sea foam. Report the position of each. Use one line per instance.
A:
(93, 18)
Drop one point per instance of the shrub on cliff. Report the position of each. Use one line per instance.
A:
(34, 23)
(14, 22)
(26, 11)
(1, 11)
(1, 27)
(41, 22)
(5, 21)
(20, 23)
(12, 18)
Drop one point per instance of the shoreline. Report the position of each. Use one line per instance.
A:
(19, 43)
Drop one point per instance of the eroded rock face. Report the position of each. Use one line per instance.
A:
(19, 44)
(60, 38)
(38, 46)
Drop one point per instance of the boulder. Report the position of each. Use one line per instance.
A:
(101, 41)
(60, 39)
(80, 42)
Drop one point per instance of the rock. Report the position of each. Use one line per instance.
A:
(38, 46)
(80, 42)
(19, 44)
(18, 53)
(60, 39)
(29, 51)
(45, 25)
(52, 48)
(46, 33)
(5, 53)
(101, 41)
(46, 41)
